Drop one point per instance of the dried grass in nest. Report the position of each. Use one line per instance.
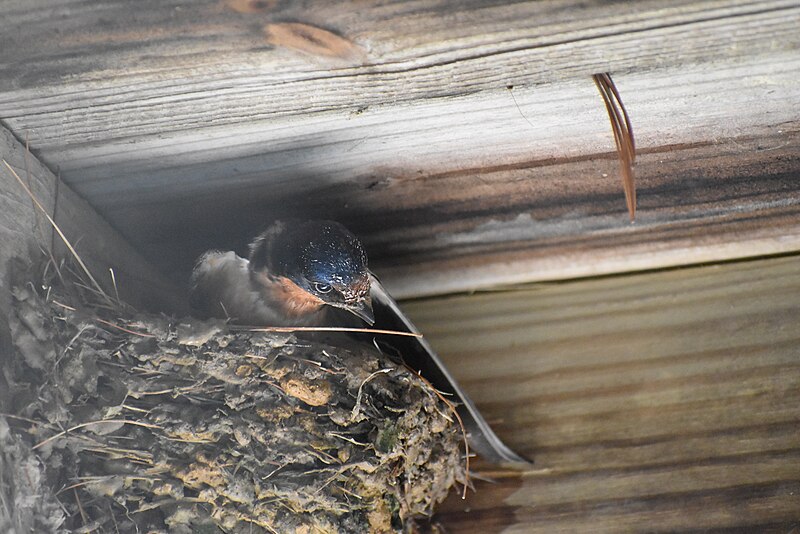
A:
(125, 422)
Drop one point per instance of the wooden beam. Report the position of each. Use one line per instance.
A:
(666, 401)
(26, 233)
(467, 145)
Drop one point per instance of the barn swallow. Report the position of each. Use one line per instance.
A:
(296, 274)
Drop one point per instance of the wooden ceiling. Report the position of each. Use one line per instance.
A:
(464, 141)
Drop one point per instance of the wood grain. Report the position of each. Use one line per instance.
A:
(187, 130)
(26, 233)
(659, 402)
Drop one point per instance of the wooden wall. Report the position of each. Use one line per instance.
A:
(28, 236)
(463, 140)
(659, 402)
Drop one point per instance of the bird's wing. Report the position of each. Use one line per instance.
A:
(420, 356)
(210, 276)
(221, 288)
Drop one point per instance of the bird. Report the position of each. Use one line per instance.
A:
(295, 273)
(300, 273)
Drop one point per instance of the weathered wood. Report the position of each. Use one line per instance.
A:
(664, 401)
(188, 131)
(20, 227)
(25, 231)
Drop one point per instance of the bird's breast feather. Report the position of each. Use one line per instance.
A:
(291, 299)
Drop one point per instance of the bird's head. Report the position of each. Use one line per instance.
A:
(321, 258)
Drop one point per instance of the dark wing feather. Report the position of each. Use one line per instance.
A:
(420, 356)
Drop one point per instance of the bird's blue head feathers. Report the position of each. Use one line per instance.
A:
(321, 257)
(330, 254)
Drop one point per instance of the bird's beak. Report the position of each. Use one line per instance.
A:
(363, 308)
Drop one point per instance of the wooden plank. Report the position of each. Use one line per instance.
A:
(413, 50)
(20, 227)
(25, 231)
(659, 402)
(187, 131)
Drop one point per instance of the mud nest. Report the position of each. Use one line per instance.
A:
(116, 421)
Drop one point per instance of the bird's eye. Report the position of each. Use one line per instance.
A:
(322, 288)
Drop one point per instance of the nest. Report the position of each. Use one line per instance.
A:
(117, 421)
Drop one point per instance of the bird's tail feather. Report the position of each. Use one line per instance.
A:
(420, 356)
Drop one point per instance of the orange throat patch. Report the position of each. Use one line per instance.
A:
(288, 297)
